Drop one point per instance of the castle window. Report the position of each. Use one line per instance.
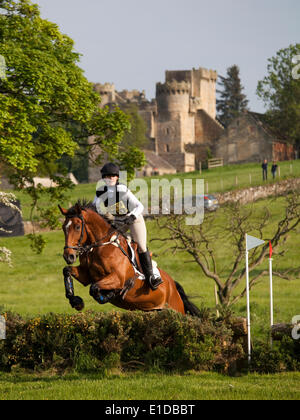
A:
(167, 148)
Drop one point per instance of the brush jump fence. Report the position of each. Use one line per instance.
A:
(164, 341)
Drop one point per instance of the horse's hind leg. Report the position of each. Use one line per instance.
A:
(75, 301)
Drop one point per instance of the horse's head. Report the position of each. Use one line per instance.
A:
(75, 232)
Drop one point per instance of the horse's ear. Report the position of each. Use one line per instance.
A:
(62, 210)
(78, 209)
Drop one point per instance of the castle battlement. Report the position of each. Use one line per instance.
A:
(208, 74)
(104, 88)
(173, 88)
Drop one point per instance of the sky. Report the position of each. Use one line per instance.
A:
(131, 43)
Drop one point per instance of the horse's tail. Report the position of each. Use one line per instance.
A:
(189, 307)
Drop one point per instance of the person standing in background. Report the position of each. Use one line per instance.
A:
(274, 169)
(265, 169)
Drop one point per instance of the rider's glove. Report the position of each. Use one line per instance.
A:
(127, 220)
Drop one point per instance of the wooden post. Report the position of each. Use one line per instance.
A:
(279, 171)
(200, 169)
(236, 181)
(217, 300)
(250, 179)
(291, 168)
(207, 188)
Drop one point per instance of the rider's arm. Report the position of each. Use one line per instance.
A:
(135, 207)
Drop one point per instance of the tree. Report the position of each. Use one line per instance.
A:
(280, 91)
(137, 135)
(47, 107)
(207, 243)
(7, 200)
(232, 101)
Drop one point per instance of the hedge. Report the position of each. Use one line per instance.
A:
(161, 341)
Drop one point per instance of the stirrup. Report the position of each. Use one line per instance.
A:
(154, 282)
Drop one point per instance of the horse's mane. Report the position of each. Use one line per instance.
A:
(83, 204)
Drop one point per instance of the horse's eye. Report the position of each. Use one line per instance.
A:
(77, 227)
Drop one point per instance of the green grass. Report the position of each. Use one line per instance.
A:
(34, 285)
(191, 386)
(216, 180)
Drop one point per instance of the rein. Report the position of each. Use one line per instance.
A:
(81, 249)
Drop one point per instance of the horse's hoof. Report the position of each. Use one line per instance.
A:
(77, 303)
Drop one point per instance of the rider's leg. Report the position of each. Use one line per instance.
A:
(139, 234)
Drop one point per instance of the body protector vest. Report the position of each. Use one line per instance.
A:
(117, 200)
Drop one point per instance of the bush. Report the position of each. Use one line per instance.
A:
(160, 341)
(283, 357)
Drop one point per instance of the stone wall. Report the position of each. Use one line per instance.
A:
(252, 194)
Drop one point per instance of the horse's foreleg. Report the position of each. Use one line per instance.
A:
(103, 290)
(80, 275)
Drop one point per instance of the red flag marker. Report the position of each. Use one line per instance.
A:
(271, 249)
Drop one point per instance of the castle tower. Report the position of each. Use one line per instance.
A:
(203, 88)
(175, 124)
(107, 92)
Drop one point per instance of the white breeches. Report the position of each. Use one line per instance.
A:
(138, 233)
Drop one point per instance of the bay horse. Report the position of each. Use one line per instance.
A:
(106, 266)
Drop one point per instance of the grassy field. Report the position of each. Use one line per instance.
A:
(191, 386)
(34, 285)
(216, 180)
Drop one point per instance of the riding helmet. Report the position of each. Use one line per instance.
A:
(110, 169)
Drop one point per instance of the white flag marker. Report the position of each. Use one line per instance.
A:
(251, 242)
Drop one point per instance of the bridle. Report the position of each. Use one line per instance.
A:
(81, 249)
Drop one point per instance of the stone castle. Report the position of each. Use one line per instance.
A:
(181, 120)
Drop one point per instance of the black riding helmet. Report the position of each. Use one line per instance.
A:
(110, 169)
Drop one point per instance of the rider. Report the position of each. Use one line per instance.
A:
(118, 200)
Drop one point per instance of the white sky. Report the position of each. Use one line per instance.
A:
(132, 42)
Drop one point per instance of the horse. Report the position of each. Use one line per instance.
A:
(106, 266)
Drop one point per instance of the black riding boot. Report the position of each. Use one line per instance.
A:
(147, 267)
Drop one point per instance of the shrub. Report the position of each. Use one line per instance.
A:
(284, 356)
(161, 341)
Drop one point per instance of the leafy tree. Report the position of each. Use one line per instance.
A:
(137, 136)
(280, 91)
(47, 107)
(232, 102)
